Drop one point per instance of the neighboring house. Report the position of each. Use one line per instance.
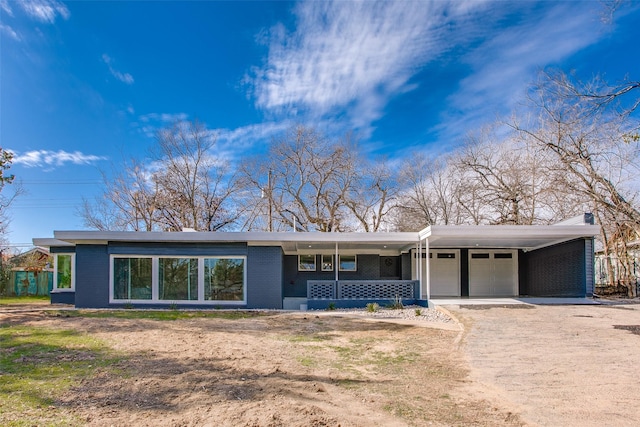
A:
(31, 273)
(296, 270)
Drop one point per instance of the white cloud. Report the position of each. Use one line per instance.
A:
(45, 11)
(232, 144)
(38, 158)
(9, 32)
(123, 77)
(353, 56)
(150, 124)
(4, 5)
(506, 64)
(164, 118)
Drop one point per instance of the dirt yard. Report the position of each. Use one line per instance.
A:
(544, 365)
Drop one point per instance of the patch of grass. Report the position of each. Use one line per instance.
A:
(418, 312)
(392, 360)
(30, 299)
(331, 306)
(37, 365)
(157, 314)
(372, 307)
(309, 338)
(307, 361)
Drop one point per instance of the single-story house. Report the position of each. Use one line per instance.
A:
(293, 270)
(31, 273)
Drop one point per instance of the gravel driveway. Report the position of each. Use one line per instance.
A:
(557, 365)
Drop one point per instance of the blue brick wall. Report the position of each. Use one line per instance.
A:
(264, 277)
(405, 269)
(92, 276)
(181, 249)
(295, 282)
(556, 271)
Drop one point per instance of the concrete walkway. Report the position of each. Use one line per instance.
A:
(513, 301)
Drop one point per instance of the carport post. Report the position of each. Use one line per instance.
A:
(335, 264)
(418, 259)
(426, 243)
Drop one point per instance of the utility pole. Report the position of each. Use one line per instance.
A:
(270, 201)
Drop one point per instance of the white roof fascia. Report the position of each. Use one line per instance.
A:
(576, 220)
(101, 237)
(48, 242)
(509, 234)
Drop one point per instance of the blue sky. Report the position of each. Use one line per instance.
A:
(85, 84)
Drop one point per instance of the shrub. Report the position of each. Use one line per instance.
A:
(396, 304)
(372, 307)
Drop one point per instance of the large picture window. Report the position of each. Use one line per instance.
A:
(173, 279)
(224, 279)
(132, 278)
(63, 278)
(178, 279)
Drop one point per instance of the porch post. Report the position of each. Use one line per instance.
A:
(335, 263)
(426, 243)
(335, 268)
(419, 263)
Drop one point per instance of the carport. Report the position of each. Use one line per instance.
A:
(506, 260)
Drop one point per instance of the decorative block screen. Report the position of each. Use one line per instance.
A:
(321, 289)
(360, 289)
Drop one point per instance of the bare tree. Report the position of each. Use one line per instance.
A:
(308, 180)
(430, 193)
(128, 202)
(194, 188)
(6, 158)
(592, 145)
(183, 185)
(509, 178)
(372, 198)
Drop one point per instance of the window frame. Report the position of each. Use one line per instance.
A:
(155, 281)
(322, 262)
(154, 273)
(72, 287)
(244, 278)
(355, 263)
(315, 262)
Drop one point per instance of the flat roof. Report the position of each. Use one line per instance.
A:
(527, 237)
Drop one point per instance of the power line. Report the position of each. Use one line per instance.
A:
(75, 182)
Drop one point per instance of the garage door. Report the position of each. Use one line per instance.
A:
(493, 273)
(444, 273)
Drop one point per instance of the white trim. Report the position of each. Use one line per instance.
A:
(322, 262)
(155, 280)
(55, 288)
(315, 262)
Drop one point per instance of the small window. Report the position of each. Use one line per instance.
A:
(476, 256)
(348, 263)
(446, 255)
(64, 266)
(327, 262)
(502, 256)
(306, 263)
